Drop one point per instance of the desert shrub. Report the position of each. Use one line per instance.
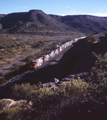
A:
(98, 74)
(93, 38)
(46, 102)
(2, 74)
(15, 67)
(98, 77)
(22, 91)
(44, 99)
(17, 112)
(9, 44)
(77, 88)
(30, 58)
(3, 104)
(39, 44)
(2, 81)
(39, 54)
(9, 113)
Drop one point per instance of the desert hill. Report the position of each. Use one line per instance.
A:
(36, 21)
(84, 23)
(32, 21)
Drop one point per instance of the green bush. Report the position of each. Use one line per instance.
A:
(93, 38)
(3, 104)
(71, 96)
(22, 91)
(15, 67)
(76, 88)
(12, 113)
(30, 58)
(98, 74)
(47, 102)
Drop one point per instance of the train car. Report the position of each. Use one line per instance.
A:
(83, 37)
(76, 39)
(52, 54)
(46, 57)
(65, 45)
(62, 47)
(40, 61)
(71, 42)
(56, 51)
(59, 49)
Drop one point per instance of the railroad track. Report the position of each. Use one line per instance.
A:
(29, 75)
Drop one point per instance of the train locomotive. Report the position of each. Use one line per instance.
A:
(39, 61)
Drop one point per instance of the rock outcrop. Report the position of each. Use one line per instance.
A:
(58, 83)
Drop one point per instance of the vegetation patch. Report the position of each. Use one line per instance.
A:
(71, 100)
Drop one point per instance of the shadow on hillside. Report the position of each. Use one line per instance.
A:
(77, 59)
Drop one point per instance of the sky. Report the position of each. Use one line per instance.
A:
(57, 7)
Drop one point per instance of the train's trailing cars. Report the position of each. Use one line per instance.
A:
(76, 39)
(52, 54)
(38, 62)
(46, 57)
(63, 46)
(83, 37)
(56, 51)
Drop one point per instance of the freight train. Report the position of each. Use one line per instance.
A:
(39, 61)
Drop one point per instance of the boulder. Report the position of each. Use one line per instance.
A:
(56, 80)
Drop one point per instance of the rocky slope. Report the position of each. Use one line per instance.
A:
(32, 21)
(36, 21)
(84, 23)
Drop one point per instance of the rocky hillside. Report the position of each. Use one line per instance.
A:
(36, 21)
(32, 21)
(84, 23)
